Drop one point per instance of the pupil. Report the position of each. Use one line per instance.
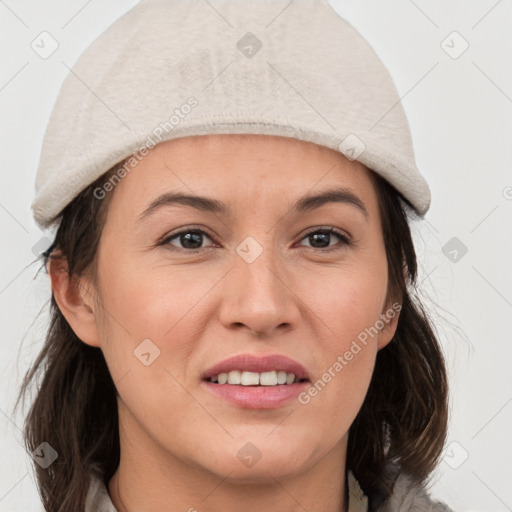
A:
(319, 236)
(193, 238)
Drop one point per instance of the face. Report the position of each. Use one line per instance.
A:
(183, 287)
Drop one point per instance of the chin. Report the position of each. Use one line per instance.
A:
(258, 461)
(262, 472)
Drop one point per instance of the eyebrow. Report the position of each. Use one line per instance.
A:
(306, 203)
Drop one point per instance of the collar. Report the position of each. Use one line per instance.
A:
(357, 501)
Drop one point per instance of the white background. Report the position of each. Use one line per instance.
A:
(460, 112)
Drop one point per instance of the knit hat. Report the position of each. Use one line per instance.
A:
(174, 68)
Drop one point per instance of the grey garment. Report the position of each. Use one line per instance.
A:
(406, 497)
(170, 68)
(98, 499)
(410, 497)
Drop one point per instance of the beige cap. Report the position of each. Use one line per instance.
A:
(175, 68)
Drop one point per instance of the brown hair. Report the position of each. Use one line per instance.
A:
(402, 422)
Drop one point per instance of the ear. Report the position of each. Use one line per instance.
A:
(74, 298)
(390, 319)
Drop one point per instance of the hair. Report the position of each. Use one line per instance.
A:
(402, 422)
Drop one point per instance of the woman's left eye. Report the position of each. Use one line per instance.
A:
(191, 239)
(323, 237)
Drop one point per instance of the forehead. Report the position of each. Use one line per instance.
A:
(246, 170)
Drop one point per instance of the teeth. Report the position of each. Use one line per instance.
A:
(238, 377)
(234, 377)
(250, 379)
(268, 378)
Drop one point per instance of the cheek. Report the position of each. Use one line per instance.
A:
(346, 305)
(347, 300)
(150, 318)
(151, 298)
(163, 304)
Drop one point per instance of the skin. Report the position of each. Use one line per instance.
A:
(179, 443)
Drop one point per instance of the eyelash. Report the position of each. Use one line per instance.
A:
(345, 241)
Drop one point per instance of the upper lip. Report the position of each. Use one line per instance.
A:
(258, 364)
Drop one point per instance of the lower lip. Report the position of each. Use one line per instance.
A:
(257, 397)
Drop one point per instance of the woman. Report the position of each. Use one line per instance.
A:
(233, 311)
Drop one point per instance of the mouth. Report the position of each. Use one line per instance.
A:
(256, 370)
(251, 381)
(256, 379)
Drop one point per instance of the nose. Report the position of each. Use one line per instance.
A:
(258, 297)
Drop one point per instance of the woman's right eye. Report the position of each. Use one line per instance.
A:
(190, 239)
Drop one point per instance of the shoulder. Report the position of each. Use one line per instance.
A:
(411, 497)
